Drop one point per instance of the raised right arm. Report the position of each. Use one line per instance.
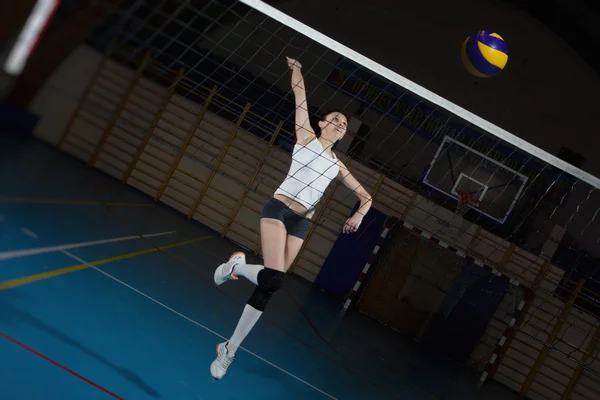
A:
(304, 132)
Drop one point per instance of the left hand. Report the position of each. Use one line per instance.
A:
(352, 223)
(292, 63)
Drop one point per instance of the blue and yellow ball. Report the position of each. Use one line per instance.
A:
(484, 54)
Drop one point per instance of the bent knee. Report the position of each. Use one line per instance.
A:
(270, 279)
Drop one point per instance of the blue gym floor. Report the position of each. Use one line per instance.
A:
(139, 318)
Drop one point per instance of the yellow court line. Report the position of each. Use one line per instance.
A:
(43, 200)
(51, 274)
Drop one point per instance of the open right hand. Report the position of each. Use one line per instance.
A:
(292, 63)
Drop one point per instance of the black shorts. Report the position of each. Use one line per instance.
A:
(295, 224)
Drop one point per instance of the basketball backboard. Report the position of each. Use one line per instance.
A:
(457, 167)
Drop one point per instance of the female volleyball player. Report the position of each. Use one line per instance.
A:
(285, 218)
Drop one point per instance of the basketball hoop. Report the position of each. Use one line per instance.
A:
(465, 201)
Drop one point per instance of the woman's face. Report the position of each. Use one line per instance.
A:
(333, 128)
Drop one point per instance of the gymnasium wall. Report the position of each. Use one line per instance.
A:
(195, 161)
(106, 111)
(209, 167)
(545, 96)
(536, 343)
(553, 355)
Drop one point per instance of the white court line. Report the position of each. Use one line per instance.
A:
(195, 323)
(7, 255)
(345, 51)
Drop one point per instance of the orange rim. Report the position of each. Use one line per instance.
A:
(467, 198)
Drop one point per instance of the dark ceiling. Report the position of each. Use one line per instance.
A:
(577, 22)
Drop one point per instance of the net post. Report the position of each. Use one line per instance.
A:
(86, 91)
(592, 346)
(119, 110)
(255, 173)
(183, 147)
(217, 164)
(555, 331)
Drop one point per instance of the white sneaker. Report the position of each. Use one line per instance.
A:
(224, 272)
(218, 368)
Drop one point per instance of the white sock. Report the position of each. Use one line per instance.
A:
(248, 271)
(244, 326)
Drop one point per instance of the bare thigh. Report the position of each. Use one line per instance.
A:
(273, 241)
(292, 247)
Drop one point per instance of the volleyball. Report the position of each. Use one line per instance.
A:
(484, 54)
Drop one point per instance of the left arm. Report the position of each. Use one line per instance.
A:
(351, 183)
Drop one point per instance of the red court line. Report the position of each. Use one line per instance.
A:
(37, 353)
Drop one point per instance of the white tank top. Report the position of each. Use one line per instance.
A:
(310, 173)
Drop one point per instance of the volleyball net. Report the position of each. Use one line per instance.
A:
(481, 222)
